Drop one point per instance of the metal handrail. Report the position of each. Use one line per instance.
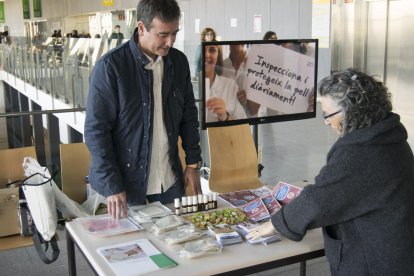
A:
(40, 112)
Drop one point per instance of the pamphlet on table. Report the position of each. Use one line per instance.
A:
(259, 204)
(104, 225)
(135, 258)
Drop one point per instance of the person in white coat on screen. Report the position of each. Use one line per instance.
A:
(222, 103)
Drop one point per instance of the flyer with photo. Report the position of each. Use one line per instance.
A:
(135, 258)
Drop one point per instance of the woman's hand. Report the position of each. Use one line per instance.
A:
(263, 230)
(217, 106)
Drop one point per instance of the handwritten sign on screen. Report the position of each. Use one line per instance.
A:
(279, 78)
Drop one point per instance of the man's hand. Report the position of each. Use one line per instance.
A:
(261, 231)
(117, 206)
(192, 177)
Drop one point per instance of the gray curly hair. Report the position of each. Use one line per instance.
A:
(364, 100)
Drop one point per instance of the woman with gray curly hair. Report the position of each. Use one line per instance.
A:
(363, 198)
(360, 99)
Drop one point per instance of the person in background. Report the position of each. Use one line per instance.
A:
(221, 102)
(233, 67)
(140, 102)
(37, 42)
(208, 34)
(6, 38)
(363, 197)
(117, 35)
(270, 35)
(74, 34)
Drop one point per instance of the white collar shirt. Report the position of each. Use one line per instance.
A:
(161, 176)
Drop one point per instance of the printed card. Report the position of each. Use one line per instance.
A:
(285, 193)
(256, 210)
(239, 198)
(271, 204)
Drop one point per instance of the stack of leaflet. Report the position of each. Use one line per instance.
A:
(259, 204)
(244, 227)
(224, 234)
(146, 213)
(166, 224)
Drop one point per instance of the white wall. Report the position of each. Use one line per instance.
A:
(13, 12)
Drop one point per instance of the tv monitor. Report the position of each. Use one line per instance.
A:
(258, 81)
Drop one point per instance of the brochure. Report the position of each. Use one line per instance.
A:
(262, 191)
(238, 198)
(106, 225)
(285, 193)
(271, 204)
(256, 210)
(135, 258)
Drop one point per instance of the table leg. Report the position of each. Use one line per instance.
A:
(303, 268)
(71, 254)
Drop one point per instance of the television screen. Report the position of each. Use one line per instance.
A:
(259, 81)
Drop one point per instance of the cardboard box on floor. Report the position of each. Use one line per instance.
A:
(11, 169)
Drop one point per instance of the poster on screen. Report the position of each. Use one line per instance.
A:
(279, 78)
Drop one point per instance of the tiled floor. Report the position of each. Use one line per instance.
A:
(291, 151)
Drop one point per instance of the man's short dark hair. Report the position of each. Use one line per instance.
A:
(165, 10)
(117, 26)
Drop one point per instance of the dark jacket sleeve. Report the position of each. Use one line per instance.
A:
(189, 126)
(101, 115)
(338, 195)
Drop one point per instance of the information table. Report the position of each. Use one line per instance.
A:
(233, 260)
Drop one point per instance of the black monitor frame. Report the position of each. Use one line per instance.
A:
(263, 119)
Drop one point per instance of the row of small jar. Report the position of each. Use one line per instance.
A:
(196, 203)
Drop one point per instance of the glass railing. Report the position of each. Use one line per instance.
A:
(58, 70)
(61, 67)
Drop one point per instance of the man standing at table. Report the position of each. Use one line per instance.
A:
(140, 101)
